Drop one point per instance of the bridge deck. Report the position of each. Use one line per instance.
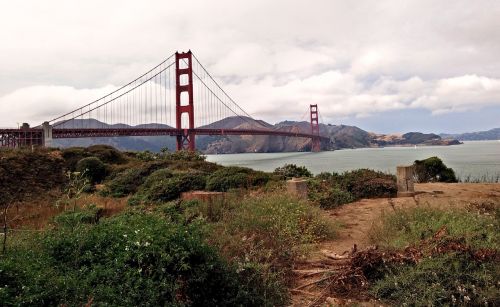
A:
(34, 136)
(104, 132)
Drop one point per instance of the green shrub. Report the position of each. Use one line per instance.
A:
(125, 183)
(331, 189)
(433, 170)
(234, 177)
(292, 170)
(449, 274)
(334, 197)
(243, 233)
(106, 154)
(447, 280)
(93, 168)
(89, 215)
(183, 155)
(162, 185)
(407, 227)
(72, 155)
(128, 260)
(366, 183)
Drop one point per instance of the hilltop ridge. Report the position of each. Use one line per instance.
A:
(341, 136)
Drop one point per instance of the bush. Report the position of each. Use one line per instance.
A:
(163, 186)
(334, 197)
(106, 154)
(72, 155)
(452, 270)
(25, 174)
(433, 170)
(234, 177)
(70, 219)
(329, 190)
(443, 280)
(183, 155)
(366, 183)
(268, 233)
(407, 227)
(128, 260)
(93, 168)
(125, 183)
(292, 170)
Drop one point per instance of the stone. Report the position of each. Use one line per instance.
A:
(297, 187)
(405, 181)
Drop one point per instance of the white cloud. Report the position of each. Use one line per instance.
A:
(274, 57)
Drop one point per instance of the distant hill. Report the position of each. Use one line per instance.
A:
(341, 136)
(493, 134)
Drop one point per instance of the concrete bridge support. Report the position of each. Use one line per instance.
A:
(47, 134)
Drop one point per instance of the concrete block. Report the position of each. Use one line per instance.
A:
(405, 181)
(297, 187)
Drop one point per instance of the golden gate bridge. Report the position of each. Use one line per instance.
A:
(177, 98)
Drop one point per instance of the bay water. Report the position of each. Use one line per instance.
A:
(473, 160)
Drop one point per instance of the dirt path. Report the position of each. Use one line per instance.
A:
(358, 218)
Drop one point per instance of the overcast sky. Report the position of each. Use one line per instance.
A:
(386, 66)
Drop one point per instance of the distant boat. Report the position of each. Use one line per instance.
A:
(415, 147)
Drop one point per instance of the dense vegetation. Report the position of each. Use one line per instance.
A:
(331, 189)
(455, 258)
(239, 249)
(433, 170)
(161, 250)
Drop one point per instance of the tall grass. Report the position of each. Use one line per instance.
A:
(455, 270)
(484, 178)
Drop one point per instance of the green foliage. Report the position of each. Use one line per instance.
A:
(162, 185)
(93, 168)
(125, 183)
(72, 155)
(271, 230)
(292, 170)
(453, 277)
(107, 154)
(25, 174)
(433, 170)
(234, 177)
(441, 281)
(407, 227)
(72, 218)
(367, 183)
(182, 155)
(330, 190)
(128, 260)
(334, 197)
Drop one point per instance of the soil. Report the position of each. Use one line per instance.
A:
(357, 219)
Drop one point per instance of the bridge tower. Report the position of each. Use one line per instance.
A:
(316, 141)
(184, 105)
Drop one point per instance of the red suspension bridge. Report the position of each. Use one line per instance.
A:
(177, 98)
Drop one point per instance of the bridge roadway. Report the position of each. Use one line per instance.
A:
(106, 132)
(35, 136)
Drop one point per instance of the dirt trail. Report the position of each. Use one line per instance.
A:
(358, 218)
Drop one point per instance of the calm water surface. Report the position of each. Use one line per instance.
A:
(475, 159)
